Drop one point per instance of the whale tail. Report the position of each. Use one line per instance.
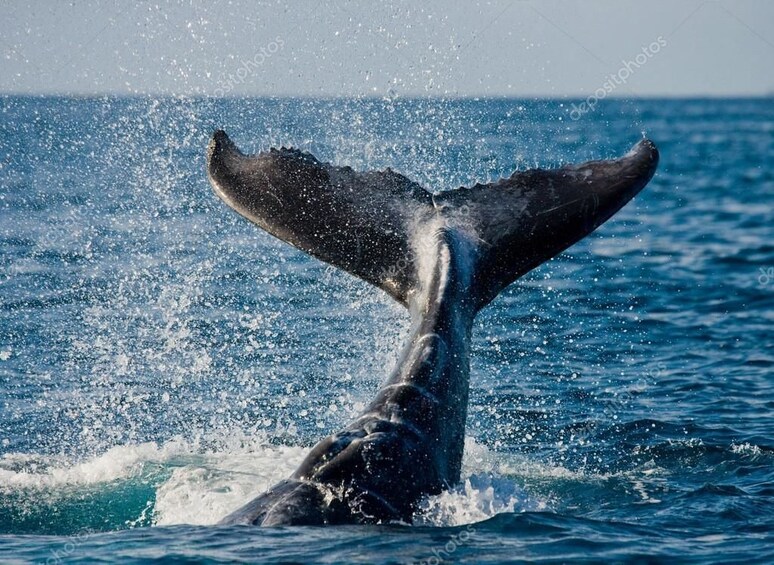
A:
(370, 224)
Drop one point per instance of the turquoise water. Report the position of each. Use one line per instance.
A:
(162, 361)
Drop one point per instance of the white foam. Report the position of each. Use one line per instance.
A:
(745, 449)
(479, 497)
(209, 489)
(29, 472)
(485, 491)
(201, 485)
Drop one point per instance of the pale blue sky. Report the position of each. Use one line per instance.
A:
(508, 47)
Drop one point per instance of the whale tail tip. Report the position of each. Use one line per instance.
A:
(368, 223)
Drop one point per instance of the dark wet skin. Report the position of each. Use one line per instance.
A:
(443, 256)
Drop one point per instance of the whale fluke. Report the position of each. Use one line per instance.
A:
(524, 220)
(358, 222)
(366, 223)
(445, 256)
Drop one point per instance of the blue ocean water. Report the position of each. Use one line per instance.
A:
(162, 360)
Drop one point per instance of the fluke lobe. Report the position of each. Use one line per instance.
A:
(444, 257)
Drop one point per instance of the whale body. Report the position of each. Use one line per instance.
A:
(444, 257)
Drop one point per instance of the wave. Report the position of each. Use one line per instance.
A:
(198, 482)
(179, 482)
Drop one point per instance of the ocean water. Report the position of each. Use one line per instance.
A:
(162, 361)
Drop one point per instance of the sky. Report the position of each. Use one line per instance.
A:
(412, 48)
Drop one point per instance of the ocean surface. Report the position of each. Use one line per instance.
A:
(162, 360)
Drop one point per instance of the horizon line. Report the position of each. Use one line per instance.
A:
(557, 97)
